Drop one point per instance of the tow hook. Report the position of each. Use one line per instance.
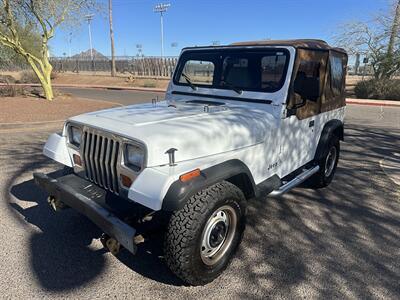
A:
(110, 244)
(55, 203)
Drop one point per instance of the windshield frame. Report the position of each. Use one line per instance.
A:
(187, 55)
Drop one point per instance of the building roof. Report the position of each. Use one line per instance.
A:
(297, 43)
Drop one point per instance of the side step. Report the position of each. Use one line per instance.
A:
(294, 182)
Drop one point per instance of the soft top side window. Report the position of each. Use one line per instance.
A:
(309, 73)
(336, 74)
(307, 81)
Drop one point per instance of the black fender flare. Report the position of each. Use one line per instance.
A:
(179, 192)
(332, 128)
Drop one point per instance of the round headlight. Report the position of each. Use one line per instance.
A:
(134, 157)
(75, 136)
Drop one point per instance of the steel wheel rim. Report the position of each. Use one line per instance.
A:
(330, 161)
(218, 235)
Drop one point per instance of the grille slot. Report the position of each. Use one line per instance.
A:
(100, 157)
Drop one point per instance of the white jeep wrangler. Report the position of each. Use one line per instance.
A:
(238, 122)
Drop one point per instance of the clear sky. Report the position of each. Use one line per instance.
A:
(190, 22)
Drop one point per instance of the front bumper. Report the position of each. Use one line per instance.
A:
(84, 197)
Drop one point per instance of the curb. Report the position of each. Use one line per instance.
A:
(372, 102)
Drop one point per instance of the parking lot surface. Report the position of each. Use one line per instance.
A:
(339, 242)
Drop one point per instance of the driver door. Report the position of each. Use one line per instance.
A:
(298, 129)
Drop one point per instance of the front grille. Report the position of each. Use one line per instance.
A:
(100, 157)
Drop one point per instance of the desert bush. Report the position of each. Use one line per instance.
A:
(30, 77)
(388, 89)
(53, 75)
(7, 79)
(11, 91)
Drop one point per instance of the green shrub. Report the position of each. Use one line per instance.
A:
(386, 89)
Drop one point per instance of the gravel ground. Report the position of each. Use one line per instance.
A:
(339, 242)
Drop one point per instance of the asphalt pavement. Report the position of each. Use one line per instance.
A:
(124, 97)
(339, 242)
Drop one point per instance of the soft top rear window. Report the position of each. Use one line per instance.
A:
(261, 70)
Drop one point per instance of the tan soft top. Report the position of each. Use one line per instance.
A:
(298, 43)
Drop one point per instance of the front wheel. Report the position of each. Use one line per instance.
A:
(327, 165)
(202, 236)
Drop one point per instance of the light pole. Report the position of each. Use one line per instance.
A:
(161, 8)
(139, 48)
(70, 42)
(89, 19)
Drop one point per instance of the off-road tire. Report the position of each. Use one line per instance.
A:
(321, 179)
(183, 239)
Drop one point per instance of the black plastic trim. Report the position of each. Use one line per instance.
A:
(179, 192)
(327, 132)
(267, 186)
(251, 100)
(83, 196)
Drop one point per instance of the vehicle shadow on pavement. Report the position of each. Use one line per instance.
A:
(342, 241)
(149, 262)
(60, 256)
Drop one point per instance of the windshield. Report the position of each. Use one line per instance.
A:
(261, 70)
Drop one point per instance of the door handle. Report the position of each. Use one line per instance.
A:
(311, 124)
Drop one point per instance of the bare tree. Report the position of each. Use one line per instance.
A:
(113, 71)
(378, 39)
(42, 17)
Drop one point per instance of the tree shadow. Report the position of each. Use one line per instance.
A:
(337, 242)
(61, 254)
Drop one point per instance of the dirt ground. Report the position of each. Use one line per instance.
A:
(102, 78)
(126, 80)
(31, 109)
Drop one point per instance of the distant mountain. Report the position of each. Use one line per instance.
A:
(86, 55)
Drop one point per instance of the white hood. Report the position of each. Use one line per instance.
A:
(190, 129)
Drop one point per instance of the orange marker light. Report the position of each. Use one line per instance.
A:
(77, 160)
(126, 181)
(190, 175)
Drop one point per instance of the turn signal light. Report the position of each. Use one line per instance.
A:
(126, 181)
(190, 175)
(77, 160)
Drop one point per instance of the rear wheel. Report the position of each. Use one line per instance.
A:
(327, 165)
(203, 236)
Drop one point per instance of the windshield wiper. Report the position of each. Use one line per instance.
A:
(189, 81)
(232, 87)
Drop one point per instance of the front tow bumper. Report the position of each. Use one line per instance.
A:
(84, 197)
